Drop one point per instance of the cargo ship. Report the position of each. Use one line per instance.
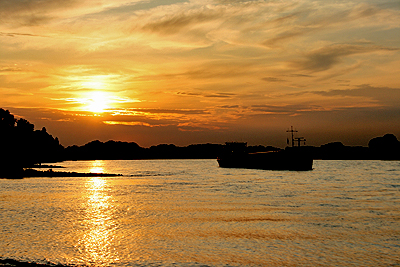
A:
(292, 158)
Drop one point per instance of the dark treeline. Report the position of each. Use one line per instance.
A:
(21, 146)
(130, 150)
(386, 147)
(127, 150)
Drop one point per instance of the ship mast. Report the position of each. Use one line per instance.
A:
(292, 132)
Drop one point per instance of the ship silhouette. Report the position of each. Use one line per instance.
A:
(293, 158)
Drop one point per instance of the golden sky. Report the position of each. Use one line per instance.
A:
(183, 72)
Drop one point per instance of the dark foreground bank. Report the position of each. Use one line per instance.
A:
(16, 263)
(30, 173)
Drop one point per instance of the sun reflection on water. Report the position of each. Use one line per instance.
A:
(97, 242)
(97, 166)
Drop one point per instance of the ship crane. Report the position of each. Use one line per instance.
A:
(295, 140)
(299, 140)
(292, 131)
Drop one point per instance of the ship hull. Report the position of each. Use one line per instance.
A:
(282, 160)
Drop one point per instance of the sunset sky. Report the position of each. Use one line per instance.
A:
(184, 72)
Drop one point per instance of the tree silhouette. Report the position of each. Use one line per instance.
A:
(24, 126)
(385, 147)
(21, 146)
(7, 120)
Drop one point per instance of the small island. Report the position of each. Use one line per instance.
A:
(50, 173)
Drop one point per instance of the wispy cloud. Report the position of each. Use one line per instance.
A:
(272, 79)
(383, 95)
(32, 12)
(325, 58)
(176, 22)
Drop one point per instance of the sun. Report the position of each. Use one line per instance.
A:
(97, 102)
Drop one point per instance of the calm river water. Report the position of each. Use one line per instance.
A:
(193, 213)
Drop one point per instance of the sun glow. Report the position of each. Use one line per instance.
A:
(94, 85)
(97, 102)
